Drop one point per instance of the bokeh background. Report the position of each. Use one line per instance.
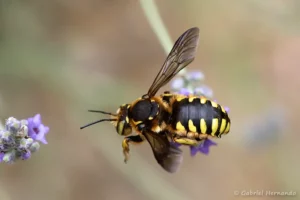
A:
(60, 58)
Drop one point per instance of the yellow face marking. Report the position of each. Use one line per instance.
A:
(150, 118)
(203, 126)
(192, 127)
(214, 126)
(227, 128)
(127, 119)
(223, 110)
(120, 128)
(203, 100)
(214, 104)
(222, 125)
(138, 122)
(191, 99)
(180, 127)
(123, 105)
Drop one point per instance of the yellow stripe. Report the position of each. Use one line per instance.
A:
(150, 118)
(191, 99)
(214, 104)
(203, 100)
(127, 119)
(203, 126)
(192, 127)
(179, 127)
(179, 98)
(222, 126)
(223, 110)
(227, 128)
(214, 126)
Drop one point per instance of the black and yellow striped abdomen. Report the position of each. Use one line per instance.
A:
(198, 114)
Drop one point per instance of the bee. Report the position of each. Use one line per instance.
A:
(168, 118)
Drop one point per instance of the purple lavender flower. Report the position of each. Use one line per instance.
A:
(203, 147)
(191, 83)
(19, 139)
(185, 91)
(177, 83)
(37, 130)
(1, 156)
(194, 76)
(227, 109)
(26, 155)
(203, 91)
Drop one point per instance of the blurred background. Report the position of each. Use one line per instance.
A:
(60, 58)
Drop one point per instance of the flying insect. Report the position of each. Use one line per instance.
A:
(167, 118)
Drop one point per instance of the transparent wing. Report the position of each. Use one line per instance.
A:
(182, 54)
(167, 155)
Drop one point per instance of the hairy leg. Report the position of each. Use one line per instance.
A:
(125, 144)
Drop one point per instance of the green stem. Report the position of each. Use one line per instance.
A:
(152, 14)
(157, 25)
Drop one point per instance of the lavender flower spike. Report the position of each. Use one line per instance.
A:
(19, 139)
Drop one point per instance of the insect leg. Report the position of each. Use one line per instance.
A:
(125, 144)
(185, 141)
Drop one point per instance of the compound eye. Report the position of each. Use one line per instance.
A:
(124, 128)
(120, 127)
(127, 130)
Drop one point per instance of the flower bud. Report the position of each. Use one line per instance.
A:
(12, 124)
(25, 143)
(6, 137)
(25, 155)
(34, 147)
(10, 156)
